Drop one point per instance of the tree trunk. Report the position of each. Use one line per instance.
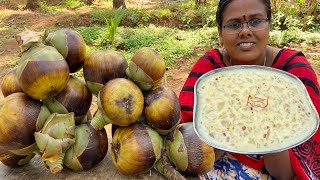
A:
(119, 3)
(33, 4)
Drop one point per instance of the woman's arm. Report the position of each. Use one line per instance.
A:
(278, 165)
(301, 161)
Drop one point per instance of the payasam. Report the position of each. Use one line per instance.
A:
(253, 110)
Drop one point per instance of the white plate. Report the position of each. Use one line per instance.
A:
(259, 133)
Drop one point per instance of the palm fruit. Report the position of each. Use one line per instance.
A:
(162, 109)
(146, 68)
(189, 154)
(75, 97)
(103, 66)
(10, 84)
(70, 45)
(20, 117)
(135, 148)
(120, 102)
(42, 72)
(90, 148)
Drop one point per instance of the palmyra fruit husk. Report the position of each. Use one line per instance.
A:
(56, 136)
(189, 154)
(164, 167)
(135, 148)
(120, 102)
(162, 109)
(20, 117)
(70, 45)
(146, 68)
(102, 66)
(75, 97)
(90, 148)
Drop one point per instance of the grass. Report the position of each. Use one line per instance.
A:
(171, 43)
(51, 9)
(187, 15)
(4, 27)
(294, 35)
(73, 3)
(61, 6)
(9, 64)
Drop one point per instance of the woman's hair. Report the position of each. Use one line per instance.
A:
(223, 4)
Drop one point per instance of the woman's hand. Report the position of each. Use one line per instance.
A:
(278, 165)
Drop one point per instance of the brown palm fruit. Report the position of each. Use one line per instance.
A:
(20, 117)
(70, 45)
(135, 148)
(189, 154)
(42, 72)
(12, 160)
(162, 109)
(90, 148)
(103, 66)
(10, 84)
(75, 97)
(146, 68)
(120, 102)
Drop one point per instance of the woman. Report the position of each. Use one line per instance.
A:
(243, 27)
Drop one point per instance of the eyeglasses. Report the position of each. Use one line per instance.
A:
(253, 25)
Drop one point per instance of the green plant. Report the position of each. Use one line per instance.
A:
(172, 43)
(51, 9)
(4, 27)
(293, 36)
(164, 13)
(183, 15)
(113, 23)
(90, 34)
(292, 21)
(73, 3)
(312, 38)
(275, 38)
(207, 15)
(186, 5)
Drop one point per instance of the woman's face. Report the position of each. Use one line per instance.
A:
(246, 46)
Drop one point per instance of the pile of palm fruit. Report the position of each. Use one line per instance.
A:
(46, 110)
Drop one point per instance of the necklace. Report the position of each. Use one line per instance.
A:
(264, 61)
